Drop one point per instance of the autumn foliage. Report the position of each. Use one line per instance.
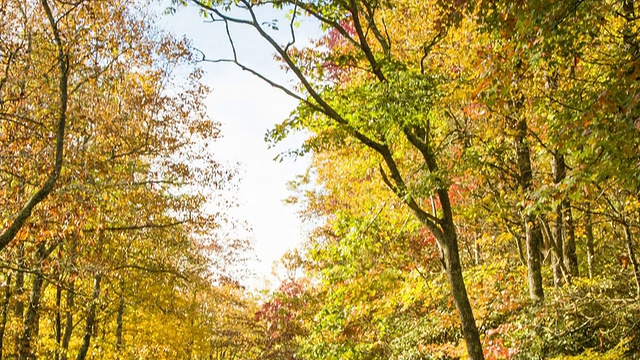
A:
(474, 189)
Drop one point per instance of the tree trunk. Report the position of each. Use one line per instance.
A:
(632, 257)
(532, 227)
(91, 319)
(119, 317)
(565, 219)
(534, 259)
(58, 320)
(70, 304)
(629, 35)
(590, 246)
(569, 246)
(559, 172)
(518, 239)
(459, 293)
(556, 252)
(18, 309)
(557, 256)
(31, 318)
(443, 229)
(5, 311)
(68, 324)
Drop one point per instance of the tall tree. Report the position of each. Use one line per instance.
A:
(385, 107)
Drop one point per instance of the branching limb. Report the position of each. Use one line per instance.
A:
(291, 25)
(426, 49)
(364, 45)
(396, 183)
(332, 23)
(63, 62)
(370, 16)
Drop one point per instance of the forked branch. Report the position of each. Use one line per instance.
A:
(63, 64)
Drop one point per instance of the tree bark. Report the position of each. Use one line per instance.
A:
(629, 35)
(70, 304)
(91, 319)
(18, 308)
(30, 322)
(569, 246)
(5, 311)
(32, 317)
(632, 257)
(58, 320)
(532, 227)
(534, 259)
(68, 324)
(546, 233)
(590, 246)
(459, 293)
(557, 256)
(559, 173)
(119, 318)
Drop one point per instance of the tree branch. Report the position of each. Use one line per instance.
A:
(364, 45)
(137, 227)
(173, 272)
(63, 61)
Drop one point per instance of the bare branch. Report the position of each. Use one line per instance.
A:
(138, 227)
(173, 272)
(291, 25)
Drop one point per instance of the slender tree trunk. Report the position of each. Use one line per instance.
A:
(18, 308)
(558, 171)
(556, 252)
(31, 318)
(569, 245)
(566, 233)
(444, 230)
(58, 320)
(590, 246)
(557, 257)
(91, 319)
(119, 317)
(70, 304)
(520, 247)
(459, 293)
(5, 311)
(68, 324)
(534, 259)
(632, 257)
(532, 227)
(629, 35)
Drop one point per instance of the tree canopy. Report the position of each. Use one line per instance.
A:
(474, 188)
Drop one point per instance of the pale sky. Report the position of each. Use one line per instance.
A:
(247, 107)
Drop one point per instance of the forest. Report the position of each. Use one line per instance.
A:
(473, 193)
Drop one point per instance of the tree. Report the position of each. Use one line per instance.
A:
(15, 47)
(128, 212)
(385, 107)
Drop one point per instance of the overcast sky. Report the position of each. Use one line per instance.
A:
(247, 107)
